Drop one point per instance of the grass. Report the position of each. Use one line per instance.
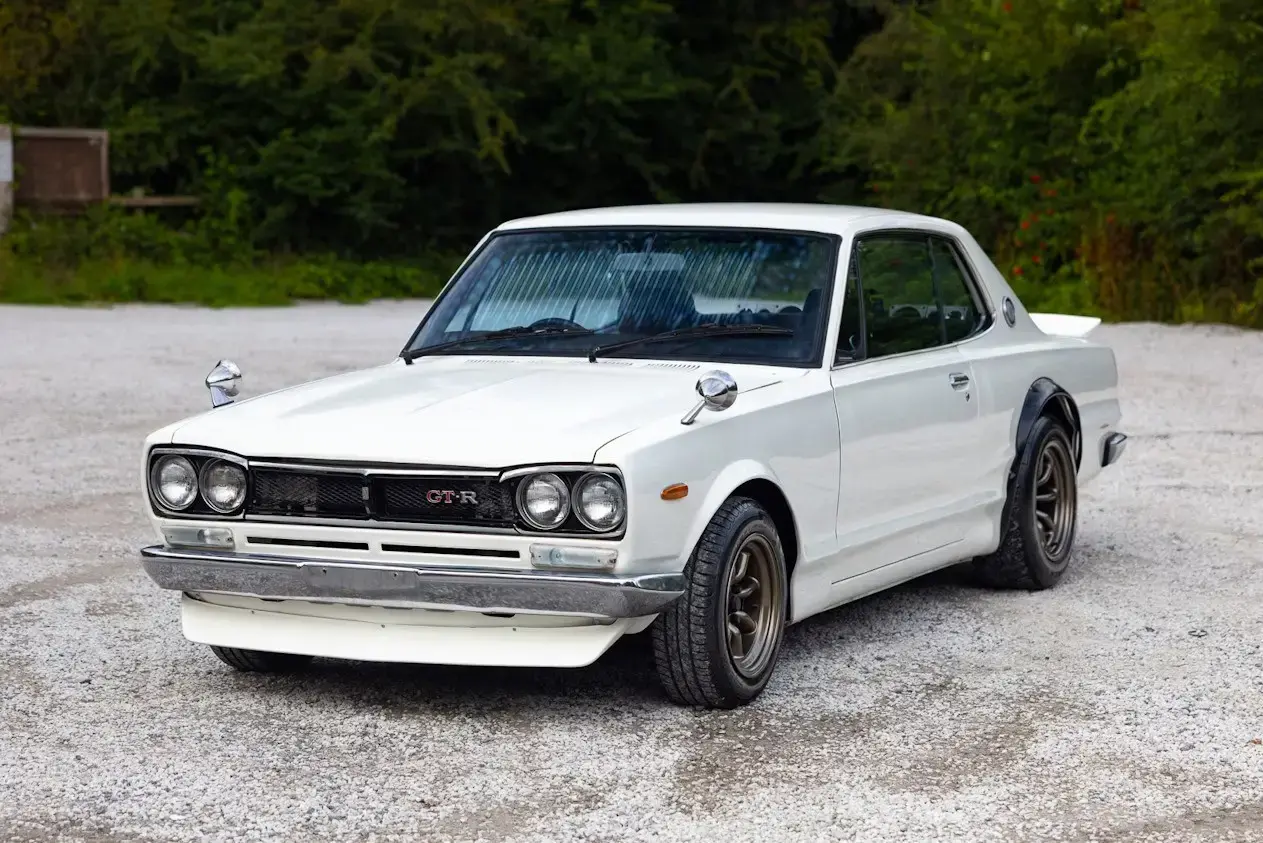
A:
(25, 280)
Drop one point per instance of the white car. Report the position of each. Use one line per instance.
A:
(704, 422)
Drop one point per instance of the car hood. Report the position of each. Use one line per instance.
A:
(460, 411)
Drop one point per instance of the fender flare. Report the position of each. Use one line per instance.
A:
(1044, 394)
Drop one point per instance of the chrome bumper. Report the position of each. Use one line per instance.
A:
(591, 595)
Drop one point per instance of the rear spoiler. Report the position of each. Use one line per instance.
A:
(1063, 325)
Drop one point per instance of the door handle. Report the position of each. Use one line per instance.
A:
(958, 380)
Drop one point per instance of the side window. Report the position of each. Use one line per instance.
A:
(901, 310)
(961, 313)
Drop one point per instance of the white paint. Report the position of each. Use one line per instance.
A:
(888, 470)
(337, 637)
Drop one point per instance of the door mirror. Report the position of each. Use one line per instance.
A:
(224, 382)
(718, 391)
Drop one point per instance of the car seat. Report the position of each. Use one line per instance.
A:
(655, 303)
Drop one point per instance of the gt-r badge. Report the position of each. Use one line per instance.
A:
(451, 496)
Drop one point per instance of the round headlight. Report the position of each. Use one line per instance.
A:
(602, 504)
(544, 501)
(174, 482)
(223, 485)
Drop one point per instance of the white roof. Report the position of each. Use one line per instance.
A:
(829, 219)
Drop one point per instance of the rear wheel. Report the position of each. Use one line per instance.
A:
(257, 661)
(1043, 515)
(716, 647)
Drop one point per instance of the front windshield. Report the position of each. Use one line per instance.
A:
(594, 287)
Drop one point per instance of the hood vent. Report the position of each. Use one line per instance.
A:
(679, 366)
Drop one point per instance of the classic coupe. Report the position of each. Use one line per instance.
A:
(699, 422)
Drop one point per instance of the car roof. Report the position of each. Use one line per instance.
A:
(827, 219)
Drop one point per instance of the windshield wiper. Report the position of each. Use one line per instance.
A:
(503, 333)
(710, 329)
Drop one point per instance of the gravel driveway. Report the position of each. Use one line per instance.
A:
(1126, 704)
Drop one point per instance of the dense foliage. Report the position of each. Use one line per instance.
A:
(1109, 153)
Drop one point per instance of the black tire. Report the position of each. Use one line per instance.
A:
(692, 647)
(1026, 559)
(257, 661)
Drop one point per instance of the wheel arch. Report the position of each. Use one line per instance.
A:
(752, 480)
(1045, 397)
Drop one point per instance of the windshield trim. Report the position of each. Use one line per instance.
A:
(815, 361)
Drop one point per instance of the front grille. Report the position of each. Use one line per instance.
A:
(444, 500)
(295, 493)
(439, 499)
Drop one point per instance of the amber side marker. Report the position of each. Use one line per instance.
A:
(674, 492)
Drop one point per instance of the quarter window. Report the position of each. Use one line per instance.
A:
(915, 295)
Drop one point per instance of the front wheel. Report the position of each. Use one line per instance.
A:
(716, 646)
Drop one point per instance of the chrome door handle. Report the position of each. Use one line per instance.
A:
(958, 380)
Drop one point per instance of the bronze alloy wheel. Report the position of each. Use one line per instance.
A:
(1055, 499)
(755, 606)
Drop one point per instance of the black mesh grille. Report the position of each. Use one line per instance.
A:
(440, 500)
(444, 500)
(301, 493)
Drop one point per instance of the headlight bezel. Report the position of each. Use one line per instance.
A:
(200, 508)
(572, 475)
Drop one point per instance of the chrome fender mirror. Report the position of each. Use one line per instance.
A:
(224, 382)
(718, 391)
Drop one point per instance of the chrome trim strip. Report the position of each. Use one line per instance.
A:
(554, 468)
(581, 594)
(370, 471)
(197, 451)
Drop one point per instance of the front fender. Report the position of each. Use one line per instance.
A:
(721, 488)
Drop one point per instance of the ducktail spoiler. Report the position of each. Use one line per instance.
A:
(1062, 325)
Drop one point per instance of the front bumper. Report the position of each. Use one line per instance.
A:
(591, 595)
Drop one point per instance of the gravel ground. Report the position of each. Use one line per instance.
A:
(1126, 704)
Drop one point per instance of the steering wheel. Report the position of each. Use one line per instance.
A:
(556, 322)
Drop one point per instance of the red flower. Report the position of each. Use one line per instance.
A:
(1026, 224)
(1035, 259)
(1007, 7)
(1036, 179)
(1052, 191)
(1017, 270)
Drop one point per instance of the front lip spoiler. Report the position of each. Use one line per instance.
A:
(592, 595)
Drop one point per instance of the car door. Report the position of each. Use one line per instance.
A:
(908, 418)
